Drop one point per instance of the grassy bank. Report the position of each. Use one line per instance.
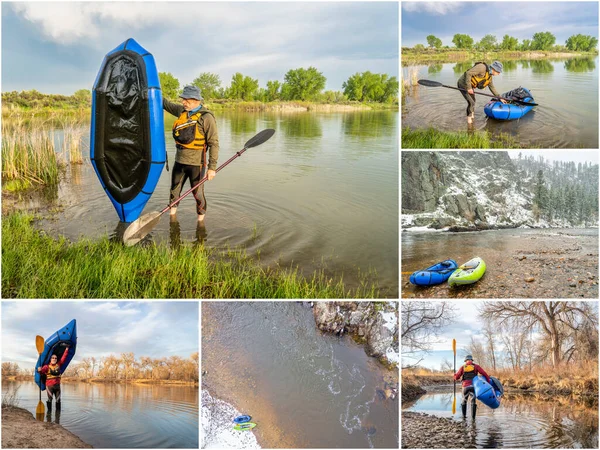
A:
(432, 138)
(412, 56)
(35, 265)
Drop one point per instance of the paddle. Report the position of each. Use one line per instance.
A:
(40, 410)
(437, 84)
(454, 401)
(145, 224)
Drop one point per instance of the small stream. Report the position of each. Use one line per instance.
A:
(121, 415)
(521, 421)
(304, 389)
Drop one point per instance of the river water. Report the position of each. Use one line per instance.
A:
(521, 421)
(566, 91)
(562, 262)
(302, 388)
(322, 193)
(121, 415)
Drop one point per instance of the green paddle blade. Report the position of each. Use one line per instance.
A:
(244, 426)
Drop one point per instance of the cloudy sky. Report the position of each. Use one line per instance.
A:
(518, 19)
(560, 155)
(57, 47)
(153, 329)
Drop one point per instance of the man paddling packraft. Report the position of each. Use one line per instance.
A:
(469, 371)
(52, 372)
(195, 134)
(479, 76)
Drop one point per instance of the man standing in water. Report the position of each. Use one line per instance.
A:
(52, 372)
(467, 372)
(479, 76)
(195, 133)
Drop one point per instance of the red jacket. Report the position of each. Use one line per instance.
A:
(53, 380)
(478, 370)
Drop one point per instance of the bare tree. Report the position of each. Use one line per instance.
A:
(421, 323)
(556, 320)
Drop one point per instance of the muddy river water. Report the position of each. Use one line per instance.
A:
(521, 421)
(304, 389)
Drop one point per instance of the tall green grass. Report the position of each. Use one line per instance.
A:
(32, 155)
(432, 138)
(35, 265)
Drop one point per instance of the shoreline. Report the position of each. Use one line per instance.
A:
(411, 57)
(102, 380)
(20, 429)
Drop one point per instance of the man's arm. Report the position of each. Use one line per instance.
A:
(64, 356)
(172, 108)
(482, 372)
(459, 374)
(493, 88)
(212, 140)
(43, 369)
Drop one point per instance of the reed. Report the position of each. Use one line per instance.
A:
(10, 397)
(29, 155)
(105, 269)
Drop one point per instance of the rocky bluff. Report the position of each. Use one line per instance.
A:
(468, 188)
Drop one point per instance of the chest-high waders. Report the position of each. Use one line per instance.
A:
(188, 136)
(476, 82)
(53, 391)
(468, 391)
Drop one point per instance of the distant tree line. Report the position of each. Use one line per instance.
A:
(562, 190)
(544, 41)
(34, 99)
(298, 85)
(125, 367)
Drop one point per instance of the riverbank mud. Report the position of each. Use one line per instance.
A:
(21, 430)
(548, 264)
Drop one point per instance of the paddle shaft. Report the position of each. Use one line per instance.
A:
(39, 344)
(202, 181)
(489, 95)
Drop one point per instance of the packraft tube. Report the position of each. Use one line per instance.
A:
(127, 143)
(469, 273)
(244, 426)
(485, 393)
(242, 419)
(56, 345)
(436, 274)
(509, 111)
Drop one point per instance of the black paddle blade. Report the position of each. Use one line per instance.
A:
(429, 83)
(260, 138)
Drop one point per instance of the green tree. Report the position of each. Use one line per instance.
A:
(83, 96)
(434, 41)
(242, 87)
(462, 41)
(209, 84)
(509, 43)
(371, 87)
(169, 85)
(419, 48)
(581, 43)
(526, 45)
(302, 84)
(488, 42)
(273, 90)
(543, 41)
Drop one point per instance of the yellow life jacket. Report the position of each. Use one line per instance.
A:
(53, 371)
(484, 81)
(469, 372)
(187, 132)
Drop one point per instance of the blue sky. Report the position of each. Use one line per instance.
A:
(153, 329)
(57, 47)
(517, 19)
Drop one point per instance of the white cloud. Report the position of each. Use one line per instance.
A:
(440, 8)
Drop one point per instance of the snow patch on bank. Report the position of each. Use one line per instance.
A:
(217, 425)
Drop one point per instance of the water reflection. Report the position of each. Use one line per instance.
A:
(580, 65)
(435, 68)
(370, 124)
(541, 66)
(175, 233)
(241, 122)
(304, 125)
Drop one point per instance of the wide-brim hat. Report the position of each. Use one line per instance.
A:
(191, 92)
